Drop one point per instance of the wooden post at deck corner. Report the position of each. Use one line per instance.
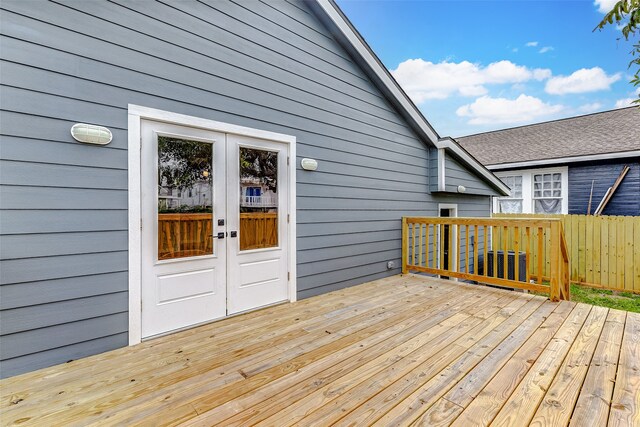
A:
(554, 273)
(405, 246)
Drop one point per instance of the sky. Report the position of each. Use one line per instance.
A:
(476, 66)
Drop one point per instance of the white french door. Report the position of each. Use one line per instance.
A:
(214, 225)
(257, 274)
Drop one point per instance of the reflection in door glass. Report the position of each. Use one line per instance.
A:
(258, 199)
(185, 195)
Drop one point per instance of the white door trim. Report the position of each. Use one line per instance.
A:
(136, 115)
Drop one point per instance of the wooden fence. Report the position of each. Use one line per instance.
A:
(454, 247)
(190, 234)
(604, 250)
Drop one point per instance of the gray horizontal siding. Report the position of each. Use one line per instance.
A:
(47, 291)
(42, 339)
(62, 221)
(29, 318)
(265, 65)
(626, 200)
(456, 175)
(63, 354)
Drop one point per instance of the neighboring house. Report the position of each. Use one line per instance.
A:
(255, 194)
(197, 194)
(80, 271)
(550, 167)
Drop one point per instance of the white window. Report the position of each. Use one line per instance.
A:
(547, 193)
(512, 204)
(535, 191)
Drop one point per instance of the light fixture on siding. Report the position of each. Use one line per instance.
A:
(309, 164)
(461, 189)
(91, 134)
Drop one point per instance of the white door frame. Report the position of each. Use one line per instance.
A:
(136, 115)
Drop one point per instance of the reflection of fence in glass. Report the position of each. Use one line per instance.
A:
(186, 235)
(258, 230)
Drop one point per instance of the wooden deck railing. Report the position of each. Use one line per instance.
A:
(463, 248)
(604, 250)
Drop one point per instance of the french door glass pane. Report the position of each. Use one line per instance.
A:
(258, 199)
(185, 198)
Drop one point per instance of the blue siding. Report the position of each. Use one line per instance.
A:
(267, 65)
(626, 200)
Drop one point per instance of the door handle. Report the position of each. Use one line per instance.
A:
(234, 234)
(221, 235)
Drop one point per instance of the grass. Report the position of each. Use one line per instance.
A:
(605, 298)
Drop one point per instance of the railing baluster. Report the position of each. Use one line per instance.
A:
(554, 267)
(450, 253)
(526, 254)
(475, 249)
(467, 240)
(516, 250)
(413, 244)
(495, 253)
(458, 239)
(540, 255)
(505, 253)
(485, 272)
(440, 260)
(431, 246)
(420, 248)
(405, 246)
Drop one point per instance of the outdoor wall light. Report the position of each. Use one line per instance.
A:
(461, 189)
(309, 164)
(91, 134)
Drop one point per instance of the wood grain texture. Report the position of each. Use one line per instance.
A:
(625, 406)
(404, 350)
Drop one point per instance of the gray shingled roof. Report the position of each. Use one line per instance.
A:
(599, 133)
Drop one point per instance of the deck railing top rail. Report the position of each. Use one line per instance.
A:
(477, 249)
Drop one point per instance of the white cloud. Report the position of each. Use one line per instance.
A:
(546, 49)
(541, 74)
(524, 108)
(425, 80)
(531, 44)
(590, 108)
(604, 6)
(624, 103)
(581, 81)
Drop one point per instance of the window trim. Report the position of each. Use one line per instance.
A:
(527, 187)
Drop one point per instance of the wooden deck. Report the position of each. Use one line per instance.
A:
(400, 351)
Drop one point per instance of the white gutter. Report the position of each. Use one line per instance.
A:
(565, 160)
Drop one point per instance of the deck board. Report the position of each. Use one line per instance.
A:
(407, 350)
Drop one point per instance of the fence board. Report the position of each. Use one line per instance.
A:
(604, 250)
(636, 252)
(595, 253)
(604, 253)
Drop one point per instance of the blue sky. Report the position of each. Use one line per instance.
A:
(474, 66)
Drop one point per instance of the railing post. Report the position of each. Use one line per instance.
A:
(405, 245)
(554, 273)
